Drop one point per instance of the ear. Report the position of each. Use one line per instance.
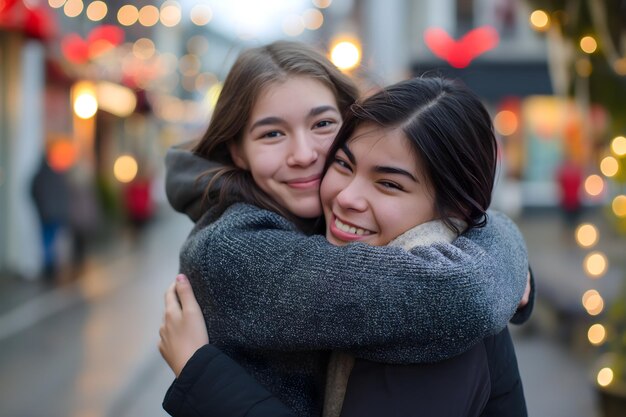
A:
(236, 155)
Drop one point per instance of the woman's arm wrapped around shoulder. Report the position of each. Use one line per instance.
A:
(271, 287)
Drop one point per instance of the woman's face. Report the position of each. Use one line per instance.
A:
(286, 141)
(375, 189)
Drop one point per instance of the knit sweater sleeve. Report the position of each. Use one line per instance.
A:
(270, 287)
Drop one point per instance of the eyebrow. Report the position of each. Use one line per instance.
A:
(381, 169)
(272, 120)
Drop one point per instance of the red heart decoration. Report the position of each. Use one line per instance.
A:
(100, 40)
(75, 49)
(460, 53)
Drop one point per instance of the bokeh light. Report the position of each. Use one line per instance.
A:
(596, 334)
(322, 4)
(595, 264)
(605, 377)
(619, 205)
(345, 55)
(620, 66)
(56, 4)
(586, 235)
(505, 122)
(214, 94)
(125, 168)
(85, 105)
(609, 166)
(127, 15)
(73, 8)
(594, 185)
(593, 302)
(618, 146)
(201, 14)
(97, 11)
(189, 65)
(293, 25)
(144, 48)
(148, 15)
(539, 20)
(170, 13)
(584, 67)
(588, 44)
(313, 19)
(61, 155)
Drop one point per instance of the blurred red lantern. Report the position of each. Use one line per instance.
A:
(460, 53)
(100, 40)
(34, 21)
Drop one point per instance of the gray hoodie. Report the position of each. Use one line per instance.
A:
(276, 300)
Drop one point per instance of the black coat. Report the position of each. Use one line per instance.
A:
(213, 385)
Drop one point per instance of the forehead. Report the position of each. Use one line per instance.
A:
(294, 91)
(369, 135)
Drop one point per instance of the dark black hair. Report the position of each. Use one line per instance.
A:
(450, 131)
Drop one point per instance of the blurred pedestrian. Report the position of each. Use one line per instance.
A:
(50, 192)
(569, 177)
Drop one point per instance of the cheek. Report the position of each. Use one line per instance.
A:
(329, 187)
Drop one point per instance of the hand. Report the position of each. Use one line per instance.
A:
(526, 296)
(183, 330)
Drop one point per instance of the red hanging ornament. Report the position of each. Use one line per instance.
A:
(460, 53)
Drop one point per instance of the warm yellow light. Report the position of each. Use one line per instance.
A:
(584, 67)
(56, 4)
(144, 48)
(586, 235)
(73, 8)
(116, 99)
(505, 122)
(97, 11)
(619, 206)
(322, 4)
(594, 185)
(618, 146)
(201, 14)
(595, 264)
(148, 15)
(313, 19)
(293, 25)
(127, 15)
(214, 94)
(346, 55)
(609, 166)
(605, 376)
(85, 102)
(588, 44)
(593, 303)
(189, 65)
(588, 294)
(620, 66)
(170, 13)
(596, 334)
(539, 20)
(125, 168)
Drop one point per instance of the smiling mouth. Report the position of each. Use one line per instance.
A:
(347, 230)
(305, 183)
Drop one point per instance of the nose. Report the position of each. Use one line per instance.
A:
(304, 150)
(352, 197)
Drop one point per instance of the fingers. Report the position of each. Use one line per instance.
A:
(185, 294)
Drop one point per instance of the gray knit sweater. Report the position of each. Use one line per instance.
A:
(276, 300)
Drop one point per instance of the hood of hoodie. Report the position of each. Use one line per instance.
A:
(185, 184)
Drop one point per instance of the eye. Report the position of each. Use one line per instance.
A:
(342, 164)
(271, 134)
(391, 185)
(324, 124)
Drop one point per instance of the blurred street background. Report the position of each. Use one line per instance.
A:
(93, 93)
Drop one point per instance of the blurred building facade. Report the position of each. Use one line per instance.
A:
(156, 78)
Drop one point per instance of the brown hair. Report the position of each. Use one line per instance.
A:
(253, 70)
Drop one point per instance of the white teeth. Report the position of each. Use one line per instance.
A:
(350, 229)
